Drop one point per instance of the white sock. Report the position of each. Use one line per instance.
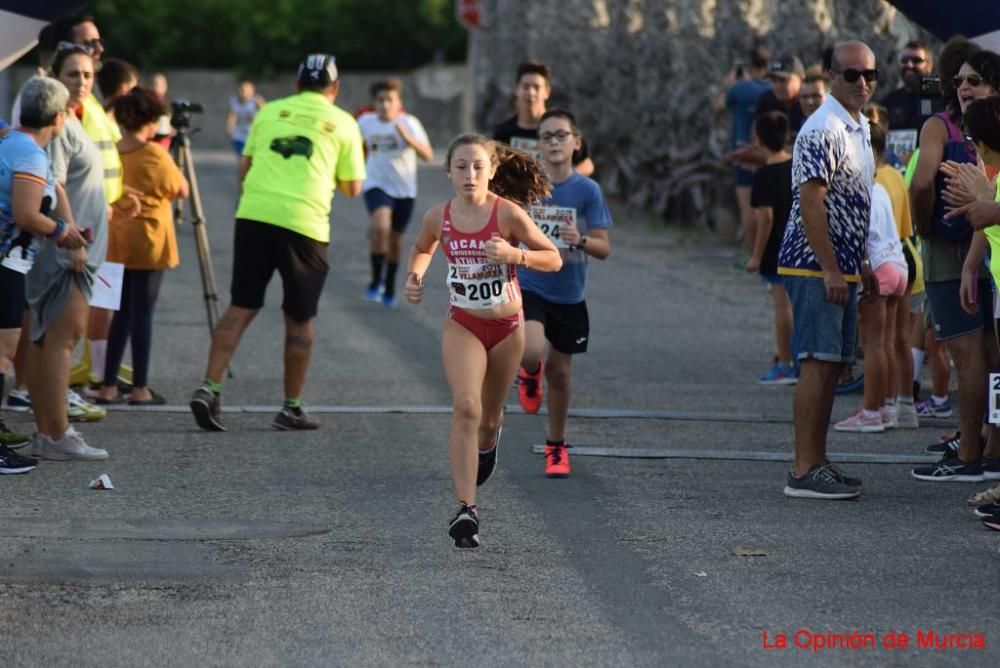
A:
(890, 401)
(918, 362)
(869, 414)
(98, 356)
(904, 400)
(938, 400)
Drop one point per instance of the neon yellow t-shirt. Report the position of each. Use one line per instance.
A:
(104, 132)
(299, 147)
(993, 237)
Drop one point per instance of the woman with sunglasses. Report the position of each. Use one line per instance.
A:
(959, 294)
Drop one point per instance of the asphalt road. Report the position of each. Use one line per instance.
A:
(254, 547)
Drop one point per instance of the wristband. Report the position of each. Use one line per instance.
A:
(58, 232)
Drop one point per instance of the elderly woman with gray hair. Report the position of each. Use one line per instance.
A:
(39, 228)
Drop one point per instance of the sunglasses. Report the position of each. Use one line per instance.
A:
(74, 48)
(974, 80)
(95, 44)
(912, 60)
(851, 75)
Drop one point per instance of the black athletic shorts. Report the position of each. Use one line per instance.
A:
(12, 302)
(567, 326)
(259, 249)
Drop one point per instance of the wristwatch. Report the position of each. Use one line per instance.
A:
(583, 242)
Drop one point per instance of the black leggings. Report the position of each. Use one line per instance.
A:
(134, 320)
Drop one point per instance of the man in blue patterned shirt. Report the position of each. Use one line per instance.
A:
(822, 260)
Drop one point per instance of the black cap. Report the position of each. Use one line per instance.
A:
(786, 65)
(318, 69)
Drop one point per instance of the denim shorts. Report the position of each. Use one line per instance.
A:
(822, 331)
(950, 320)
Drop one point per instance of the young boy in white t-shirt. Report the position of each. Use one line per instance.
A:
(393, 141)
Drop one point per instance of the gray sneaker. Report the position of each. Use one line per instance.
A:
(206, 406)
(293, 419)
(70, 447)
(823, 481)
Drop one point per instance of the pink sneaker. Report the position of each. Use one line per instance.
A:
(861, 423)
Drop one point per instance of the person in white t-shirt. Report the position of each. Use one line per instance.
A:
(393, 141)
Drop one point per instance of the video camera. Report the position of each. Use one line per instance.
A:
(180, 113)
(930, 86)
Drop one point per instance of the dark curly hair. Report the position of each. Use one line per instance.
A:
(137, 108)
(518, 178)
(987, 65)
(956, 52)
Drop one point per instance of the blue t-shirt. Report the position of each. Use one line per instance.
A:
(578, 200)
(21, 158)
(741, 101)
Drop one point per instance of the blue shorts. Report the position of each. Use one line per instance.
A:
(742, 177)
(771, 279)
(821, 330)
(238, 146)
(949, 319)
(402, 207)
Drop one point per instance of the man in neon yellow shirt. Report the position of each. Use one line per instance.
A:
(299, 149)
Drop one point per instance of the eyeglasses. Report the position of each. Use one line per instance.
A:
(912, 60)
(974, 80)
(74, 48)
(95, 44)
(559, 137)
(851, 75)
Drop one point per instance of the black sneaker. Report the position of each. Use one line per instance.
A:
(992, 523)
(991, 468)
(12, 463)
(992, 510)
(465, 527)
(293, 419)
(206, 406)
(950, 469)
(949, 447)
(488, 460)
(821, 482)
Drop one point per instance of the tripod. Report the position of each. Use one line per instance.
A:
(180, 149)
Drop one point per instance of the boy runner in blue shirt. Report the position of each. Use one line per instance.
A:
(576, 218)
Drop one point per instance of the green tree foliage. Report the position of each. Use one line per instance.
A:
(262, 37)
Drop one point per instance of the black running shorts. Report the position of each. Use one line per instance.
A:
(259, 249)
(12, 302)
(567, 326)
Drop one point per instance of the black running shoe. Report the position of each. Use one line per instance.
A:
(293, 419)
(465, 527)
(948, 447)
(992, 510)
(950, 469)
(207, 409)
(12, 463)
(488, 460)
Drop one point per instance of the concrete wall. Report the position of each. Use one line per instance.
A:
(434, 94)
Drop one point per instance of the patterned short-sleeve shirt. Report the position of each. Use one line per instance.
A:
(834, 148)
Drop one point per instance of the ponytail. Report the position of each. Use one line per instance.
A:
(518, 177)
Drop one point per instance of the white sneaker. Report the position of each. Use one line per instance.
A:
(79, 409)
(70, 447)
(906, 416)
(890, 418)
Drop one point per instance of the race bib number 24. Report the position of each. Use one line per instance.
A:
(550, 218)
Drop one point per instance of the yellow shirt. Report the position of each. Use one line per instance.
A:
(299, 147)
(890, 179)
(104, 132)
(993, 237)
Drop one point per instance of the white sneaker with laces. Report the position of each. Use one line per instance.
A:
(70, 447)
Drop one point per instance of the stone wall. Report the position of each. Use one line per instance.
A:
(642, 76)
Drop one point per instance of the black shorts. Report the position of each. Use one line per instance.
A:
(402, 207)
(567, 326)
(12, 302)
(259, 249)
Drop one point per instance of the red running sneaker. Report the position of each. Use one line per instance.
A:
(529, 389)
(556, 461)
